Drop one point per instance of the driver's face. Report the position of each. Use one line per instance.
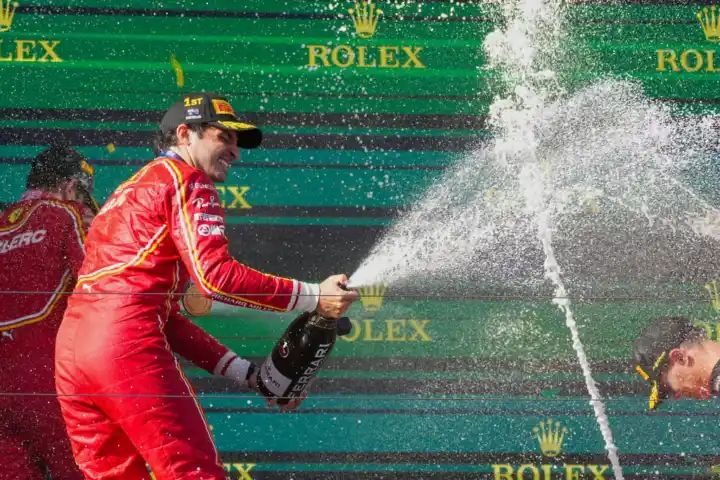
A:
(214, 152)
(686, 380)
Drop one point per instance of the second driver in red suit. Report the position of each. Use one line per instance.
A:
(124, 398)
(41, 249)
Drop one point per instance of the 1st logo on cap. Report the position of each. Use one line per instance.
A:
(192, 102)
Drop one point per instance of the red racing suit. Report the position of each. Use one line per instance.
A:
(41, 249)
(123, 395)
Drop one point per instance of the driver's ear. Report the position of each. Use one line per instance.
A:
(182, 132)
(679, 356)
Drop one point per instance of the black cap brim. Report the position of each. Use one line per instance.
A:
(248, 135)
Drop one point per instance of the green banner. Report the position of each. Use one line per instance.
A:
(362, 111)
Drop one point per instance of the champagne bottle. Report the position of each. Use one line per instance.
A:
(299, 354)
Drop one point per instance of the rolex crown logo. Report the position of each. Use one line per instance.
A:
(7, 12)
(710, 22)
(371, 297)
(365, 18)
(550, 435)
(712, 288)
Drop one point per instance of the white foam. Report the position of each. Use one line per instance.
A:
(587, 190)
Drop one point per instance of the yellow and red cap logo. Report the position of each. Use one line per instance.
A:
(222, 107)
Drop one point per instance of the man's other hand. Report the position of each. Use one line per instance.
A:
(272, 402)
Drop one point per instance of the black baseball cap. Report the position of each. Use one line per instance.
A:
(59, 163)
(203, 107)
(652, 351)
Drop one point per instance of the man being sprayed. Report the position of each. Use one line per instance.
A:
(41, 249)
(124, 398)
(677, 359)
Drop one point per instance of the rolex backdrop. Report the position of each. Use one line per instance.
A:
(363, 107)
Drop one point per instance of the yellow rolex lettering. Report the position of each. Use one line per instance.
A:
(368, 327)
(598, 471)
(238, 194)
(4, 58)
(420, 333)
(573, 472)
(49, 47)
(318, 51)
(388, 57)
(242, 468)
(691, 64)
(395, 330)
(413, 57)
(503, 472)
(343, 56)
(25, 51)
(362, 58)
(710, 57)
(28, 50)
(389, 330)
(346, 56)
(534, 472)
(667, 56)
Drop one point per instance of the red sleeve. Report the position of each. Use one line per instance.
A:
(192, 342)
(197, 225)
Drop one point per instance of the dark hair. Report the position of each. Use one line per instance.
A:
(165, 140)
(53, 166)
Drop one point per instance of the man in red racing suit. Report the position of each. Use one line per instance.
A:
(124, 398)
(41, 249)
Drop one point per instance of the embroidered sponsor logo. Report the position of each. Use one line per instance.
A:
(191, 102)
(205, 230)
(201, 186)
(206, 217)
(222, 107)
(22, 240)
(192, 114)
(205, 203)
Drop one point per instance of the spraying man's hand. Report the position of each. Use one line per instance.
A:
(335, 298)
